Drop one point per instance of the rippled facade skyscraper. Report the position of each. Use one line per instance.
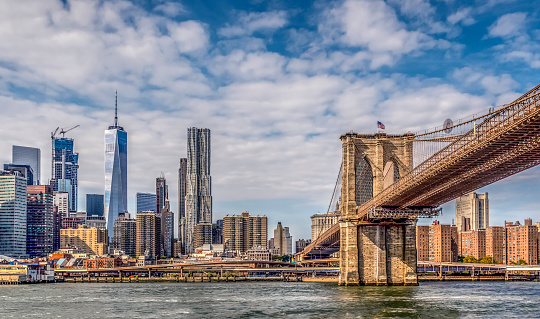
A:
(115, 172)
(198, 184)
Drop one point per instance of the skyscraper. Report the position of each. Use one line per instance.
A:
(198, 183)
(28, 156)
(115, 171)
(146, 202)
(148, 235)
(472, 212)
(163, 208)
(182, 170)
(282, 240)
(94, 205)
(39, 221)
(12, 214)
(61, 200)
(65, 168)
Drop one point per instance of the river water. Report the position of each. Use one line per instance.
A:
(270, 299)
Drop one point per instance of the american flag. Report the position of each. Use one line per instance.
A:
(380, 125)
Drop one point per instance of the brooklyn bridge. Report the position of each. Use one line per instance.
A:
(386, 182)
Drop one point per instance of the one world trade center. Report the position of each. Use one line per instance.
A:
(115, 171)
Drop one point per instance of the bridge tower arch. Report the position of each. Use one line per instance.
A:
(375, 252)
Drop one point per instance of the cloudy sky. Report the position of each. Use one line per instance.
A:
(277, 82)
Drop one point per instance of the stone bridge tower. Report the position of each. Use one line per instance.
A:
(382, 251)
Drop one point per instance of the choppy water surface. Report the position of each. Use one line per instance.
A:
(270, 299)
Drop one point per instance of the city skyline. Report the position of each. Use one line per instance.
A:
(277, 84)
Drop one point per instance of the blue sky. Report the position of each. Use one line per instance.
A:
(277, 82)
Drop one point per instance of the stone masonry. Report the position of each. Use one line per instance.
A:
(380, 253)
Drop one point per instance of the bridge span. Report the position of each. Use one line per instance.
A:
(384, 189)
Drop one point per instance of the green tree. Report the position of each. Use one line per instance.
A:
(488, 260)
(470, 259)
(460, 259)
(285, 258)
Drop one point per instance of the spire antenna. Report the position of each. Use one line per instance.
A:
(116, 109)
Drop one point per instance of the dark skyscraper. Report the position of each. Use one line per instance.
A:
(146, 202)
(182, 171)
(39, 221)
(28, 156)
(198, 183)
(94, 205)
(65, 168)
(167, 217)
(115, 172)
(26, 170)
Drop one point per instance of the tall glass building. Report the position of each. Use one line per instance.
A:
(65, 168)
(198, 183)
(115, 172)
(94, 204)
(24, 155)
(12, 214)
(146, 202)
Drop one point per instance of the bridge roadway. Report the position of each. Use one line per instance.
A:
(505, 143)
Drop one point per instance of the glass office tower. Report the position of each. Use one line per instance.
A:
(94, 205)
(146, 202)
(115, 172)
(28, 156)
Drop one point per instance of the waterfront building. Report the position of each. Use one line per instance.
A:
(146, 202)
(12, 214)
(472, 212)
(198, 200)
(102, 262)
(39, 220)
(443, 241)
(241, 232)
(182, 173)
(322, 222)
(61, 200)
(472, 243)
(148, 242)
(496, 243)
(521, 243)
(437, 243)
(94, 204)
(422, 243)
(115, 171)
(282, 240)
(301, 244)
(125, 235)
(65, 165)
(202, 234)
(31, 156)
(92, 241)
(258, 253)
(25, 170)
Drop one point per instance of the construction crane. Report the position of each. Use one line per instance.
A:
(64, 132)
(53, 135)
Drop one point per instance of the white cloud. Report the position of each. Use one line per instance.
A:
(463, 16)
(509, 25)
(248, 23)
(170, 9)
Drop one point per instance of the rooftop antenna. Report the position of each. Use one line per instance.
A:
(116, 109)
